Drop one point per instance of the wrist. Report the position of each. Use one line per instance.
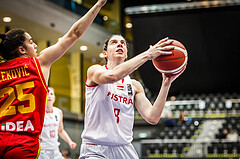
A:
(146, 55)
(166, 82)
(99, 4)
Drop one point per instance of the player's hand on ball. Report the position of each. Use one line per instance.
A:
(160, 48)
(171, 78)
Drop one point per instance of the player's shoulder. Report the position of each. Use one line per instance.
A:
(135, 82)
(137, 85)
(95, 69)
(96, 66)
(56, 109)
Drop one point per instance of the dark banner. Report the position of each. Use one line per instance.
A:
(211, 37)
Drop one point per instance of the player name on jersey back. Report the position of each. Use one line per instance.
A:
(14, 73)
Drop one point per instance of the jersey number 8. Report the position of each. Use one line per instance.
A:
(116, 112)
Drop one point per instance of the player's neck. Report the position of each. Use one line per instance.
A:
(49, 109)
(112, 64)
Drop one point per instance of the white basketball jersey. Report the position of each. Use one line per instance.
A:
(49, 133)
(109, 113)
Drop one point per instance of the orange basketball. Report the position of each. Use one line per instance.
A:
(172, 64)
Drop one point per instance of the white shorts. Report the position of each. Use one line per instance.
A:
(50, 154)
(90, 151)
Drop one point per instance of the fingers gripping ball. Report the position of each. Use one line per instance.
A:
(172, 64)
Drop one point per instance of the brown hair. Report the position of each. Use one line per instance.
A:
(10, 43)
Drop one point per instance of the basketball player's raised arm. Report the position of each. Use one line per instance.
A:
(52, 53)
(98, 75)
(152, 113)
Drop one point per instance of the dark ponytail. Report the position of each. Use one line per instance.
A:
(2, 36)
(10, 43)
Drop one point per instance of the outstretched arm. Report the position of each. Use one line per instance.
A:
(64, 135)
(98, 75)
(152, 113)
(52, 53)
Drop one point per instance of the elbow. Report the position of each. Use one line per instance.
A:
(76, 34)
(152, 118)
(153, 121)
(113, 78)
(60, 132)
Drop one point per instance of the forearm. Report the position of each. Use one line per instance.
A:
(63, 134)
(82, 24)
(130, 66)
(159, 103)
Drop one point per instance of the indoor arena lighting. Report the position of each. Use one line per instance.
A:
(156, 8)
(83, 48)
(105, 18)
(129, 25)
(7, 19)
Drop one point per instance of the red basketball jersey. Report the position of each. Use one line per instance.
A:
(23, 96)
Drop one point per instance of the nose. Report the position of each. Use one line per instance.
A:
(35, 46)
(120, 45)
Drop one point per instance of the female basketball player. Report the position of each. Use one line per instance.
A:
(23, 90)
(52, 127)
(111, 96)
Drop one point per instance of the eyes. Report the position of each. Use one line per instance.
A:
(51, 93)
(123, 42)
(31, 41)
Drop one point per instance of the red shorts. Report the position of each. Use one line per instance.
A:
(18, 146)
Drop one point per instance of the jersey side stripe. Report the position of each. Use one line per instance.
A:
(40, 74)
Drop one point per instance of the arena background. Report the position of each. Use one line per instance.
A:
(211, 37)
(208, 91)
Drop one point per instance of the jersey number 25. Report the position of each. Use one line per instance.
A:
(7, 108)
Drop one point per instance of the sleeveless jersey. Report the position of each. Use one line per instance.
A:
(109, 113)
(49, 135)
(23, 96)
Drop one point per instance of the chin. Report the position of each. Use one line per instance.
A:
(121, 57)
